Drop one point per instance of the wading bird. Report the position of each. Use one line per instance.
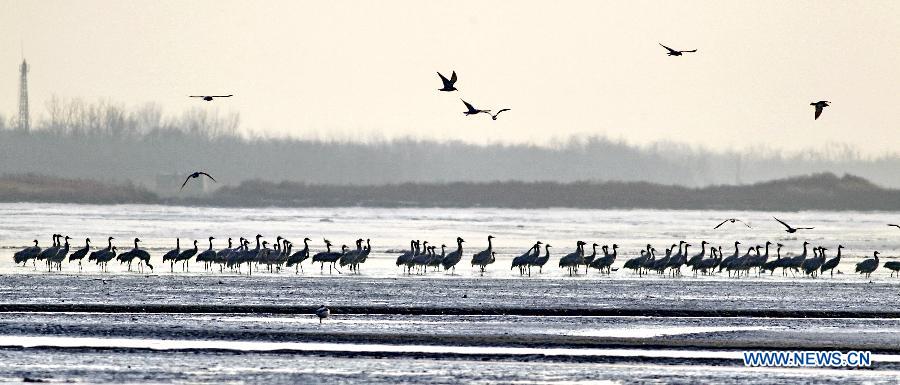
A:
(22, 256)
(322, 312)
(80, 253)
(484, 257)
(893, 266)
(448, 83)
(450, 260)
(673, 52)
(790, 229)
(820, 105)
(196, 174)
(832, 263)
(868, 266)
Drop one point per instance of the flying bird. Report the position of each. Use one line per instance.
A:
(494, 116)
(792, 229)
(893, 225)
(196, 175)
(448, 84)
(209, 98)
(820, 105)
(473, 110)
(673, 52)
(732, 220)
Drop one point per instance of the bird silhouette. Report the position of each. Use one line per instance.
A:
(209, 98)
(820, 105)
(472, 110)
(322, 312)
(448, 83)
(673, 52)
(196, 174)
(494, 116)
(732, 220)
(792, 229)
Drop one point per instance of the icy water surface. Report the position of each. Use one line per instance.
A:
(391, 229)
(388, 327)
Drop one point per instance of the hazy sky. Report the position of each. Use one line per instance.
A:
(367, 69)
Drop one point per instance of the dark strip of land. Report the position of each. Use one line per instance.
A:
(815, 192)
(467, 311)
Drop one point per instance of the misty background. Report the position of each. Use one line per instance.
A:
(109, 142)
(345, 93)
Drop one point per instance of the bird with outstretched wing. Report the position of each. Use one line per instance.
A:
(196, 174)
(732, 220)
(792, 229)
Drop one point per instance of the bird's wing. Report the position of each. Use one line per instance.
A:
(220, 96)
(782, 222)
(804, 228)
(209, 176)
(469, 106)
(670, 50)
(505, 109)
(453, 77)
(197, 96)
(185, 182)
(720, 224)
(745, 223)
(897, 226)
(818, 110)
(443, 79)
(693, 50)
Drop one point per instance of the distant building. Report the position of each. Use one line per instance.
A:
(24, 122)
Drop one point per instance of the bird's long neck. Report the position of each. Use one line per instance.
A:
(736, 250)
(135, 243)
(490, 246)
(109, 244)
(305, 245)
(210, 244)
(804, 250)
(702, 249)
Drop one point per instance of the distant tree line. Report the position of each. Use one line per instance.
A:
(108, 142)
(817, 192)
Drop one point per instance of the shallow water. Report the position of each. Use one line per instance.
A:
(400, 347)
(391, 229)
